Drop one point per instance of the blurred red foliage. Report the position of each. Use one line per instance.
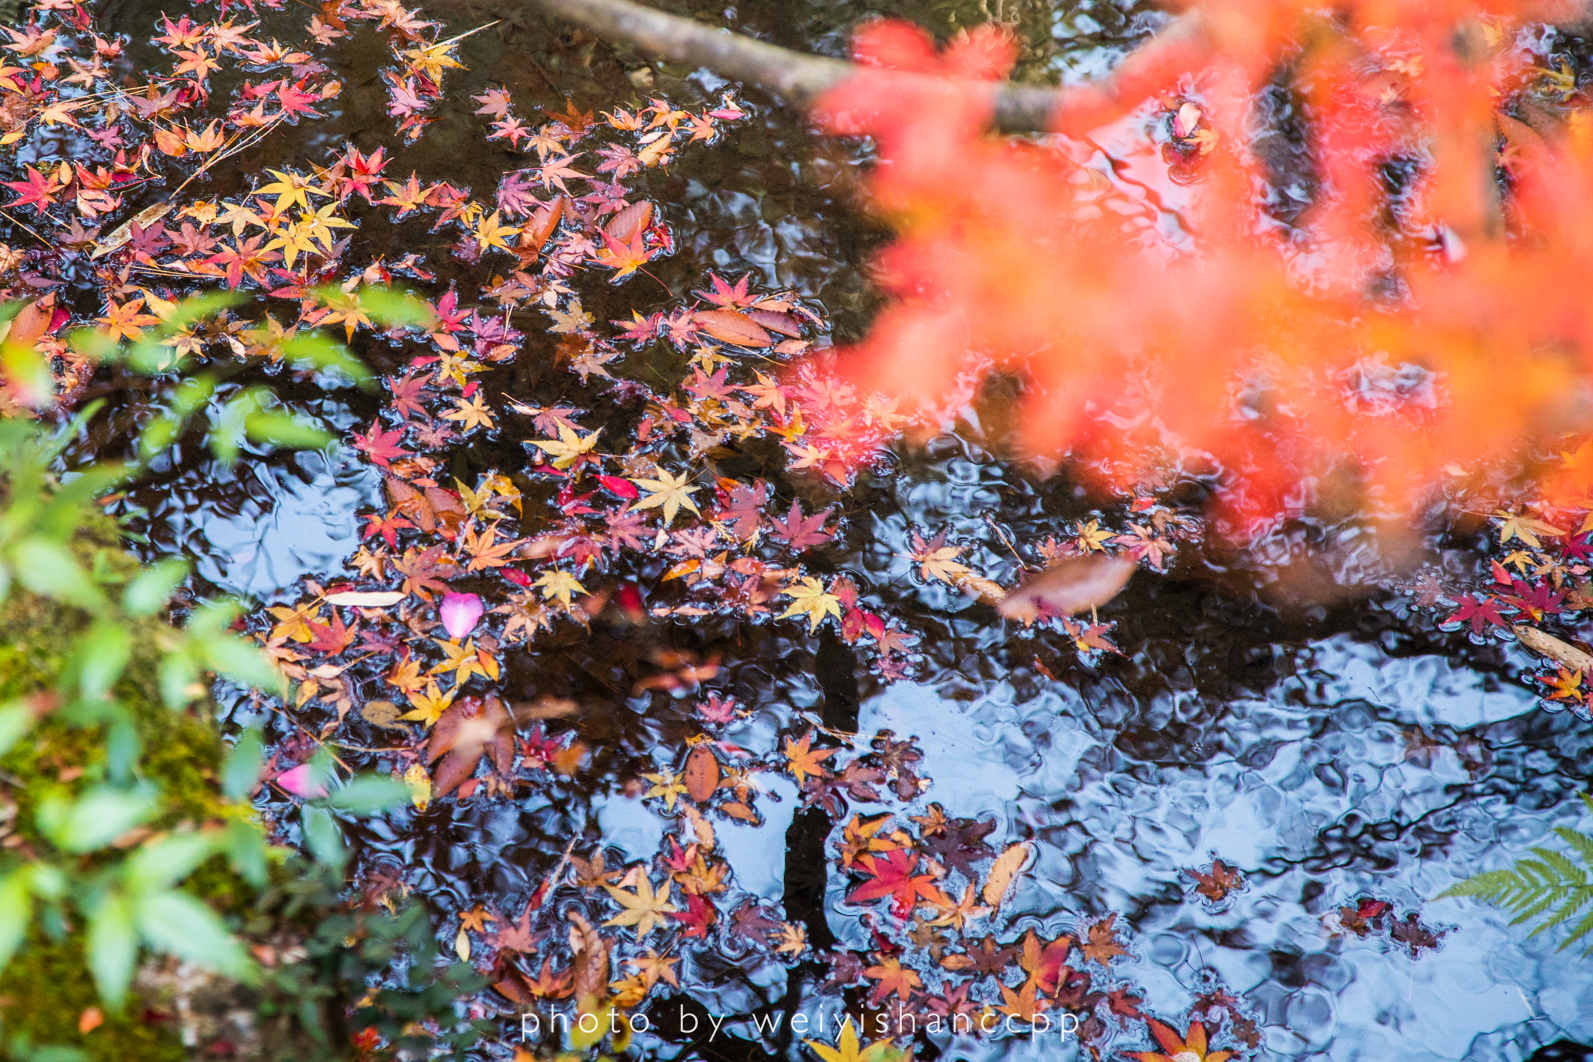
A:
(1326, 254)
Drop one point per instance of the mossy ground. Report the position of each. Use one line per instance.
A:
(46, 988)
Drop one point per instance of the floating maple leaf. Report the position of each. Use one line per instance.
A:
(1216, 884)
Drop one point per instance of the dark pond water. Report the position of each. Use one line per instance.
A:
(1277, 736)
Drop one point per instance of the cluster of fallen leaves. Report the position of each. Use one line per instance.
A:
(950, 948)
(1537, 584)
(407, 652)
(654, 913)
(1074, 574)
(1369, 916)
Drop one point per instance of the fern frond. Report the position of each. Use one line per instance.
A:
(1582, 842)
(1548, 886)
(1577, 932)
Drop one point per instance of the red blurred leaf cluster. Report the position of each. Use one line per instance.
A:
(1320, 256)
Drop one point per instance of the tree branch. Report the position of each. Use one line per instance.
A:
(802, 78)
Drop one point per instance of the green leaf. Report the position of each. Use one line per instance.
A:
(151, 588)
(197, 307)
(16, 911)
(178, 924)
(64, 513)
(179, 678)
(282, 429)
(227, 435)
(369, 794)
(323, 353)
(240, 773)
(112, 946)
(163, 863)
(16, 719)
(322, 835)
(192, 394)
(392, 309)
(96, 345)
(96, 818)
(1550, 887)
(245, 844)
(101, 657)
(158, 434)
(241, 662)
(122, 748)
(56, 1053)
(48, 568)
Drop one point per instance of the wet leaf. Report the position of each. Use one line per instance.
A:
(1070, 586)
(1008, 865)
(701, 774)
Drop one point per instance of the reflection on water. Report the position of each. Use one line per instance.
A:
(1346, 753)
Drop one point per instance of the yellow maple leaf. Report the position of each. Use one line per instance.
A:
(810, 599)
(668, 492)
(559, 585)
(643, 908)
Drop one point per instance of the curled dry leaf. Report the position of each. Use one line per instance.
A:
(702, 773)
(122, 235)
(1555, 649)
(590, 970)
(1071, 585)
(1008, 866)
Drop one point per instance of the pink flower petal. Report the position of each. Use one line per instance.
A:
(300, 782)
(459, 613)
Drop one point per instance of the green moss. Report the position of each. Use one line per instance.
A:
(46, 987)
(44, 992)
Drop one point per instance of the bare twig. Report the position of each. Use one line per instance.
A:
(802, 78)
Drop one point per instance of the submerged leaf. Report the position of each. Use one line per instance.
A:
(1071, 585)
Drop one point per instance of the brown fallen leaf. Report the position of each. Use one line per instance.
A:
(470, 728)
(382, 713)
(545, 707)
(1101, 944)
(1216, 885)
(1555, 649)
(701, 774)
(732, 327)
(590, 970)
(737, 810)
(626, 223)
(1071, 585)
(1007, 867)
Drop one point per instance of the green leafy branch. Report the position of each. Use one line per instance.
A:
(1551, 886)
(254, 412)
(130, 900)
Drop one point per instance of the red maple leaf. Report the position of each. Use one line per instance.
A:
(745, 511)
(800, 533)
(892, 875)
(38, 191)
(382, 446)
(724, 295)
(386, 526)
(406, 394)
(295, 100)
(331, 638)
(698, 915)
(1476, 612)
